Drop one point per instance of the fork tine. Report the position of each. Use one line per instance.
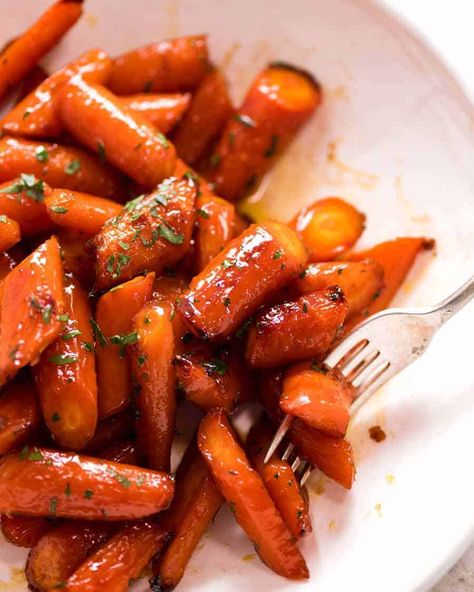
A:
(374, 375)
(296, 463)
(288, 451)
(278, 437)
(302, 466)
(362, 365)
(351, 354)
(306, 475)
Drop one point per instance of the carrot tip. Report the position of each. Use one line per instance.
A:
(301, 71)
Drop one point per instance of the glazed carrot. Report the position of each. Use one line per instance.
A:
(155, 382)
(59, 166)
(251, 503)
(319, 396)
(168, 287)
(289, 498)
(76, 259)
(20, 415)
(361, 281)
(164, 111)
(41, 482)
(328, 228)
(80, 212)
(22, 200)
(182, 169)
(169, 66)
(21, 56)
(36, 115)
(127, 140)
(33, 299)
(65, 375)
(9, 233)
(240, 278)
(114, 322)
(296, 329)
(109, 431)
(24, 531)
(151, 233)
(209, 110)
(280, 100)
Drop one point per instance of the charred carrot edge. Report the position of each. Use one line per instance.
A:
(24, 531)
(251, 503)
(22, 200)
(9, 233)
(23, 53)
(164, 111)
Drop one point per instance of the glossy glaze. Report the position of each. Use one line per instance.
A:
(30, 214)
(9, 233)
(164, 111)
(24, 531)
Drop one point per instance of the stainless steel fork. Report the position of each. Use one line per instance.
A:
(375, 351)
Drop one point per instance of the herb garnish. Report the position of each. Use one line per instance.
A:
(32, 187)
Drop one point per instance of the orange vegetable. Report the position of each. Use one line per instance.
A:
(361, 281)
(40, 482)
(99, 121)
(169, 66)
(289, 498)
(168, 287)
(147, 236)
(64, 166)
(240, 278)
(20, 415)
(65, 375)
(7, 263)
(251, 503)
(21, 56)
(24, 531)
(321, 397)
(269, 391)
(9, 233)
(296, 329)
(33, 298)
(280, 100)
(114, 317)
(155, 383)
(109, 431)
(80, 212)
(76, 259)
(182, 169)
(36, 115)
(209, 110)
(164, 111)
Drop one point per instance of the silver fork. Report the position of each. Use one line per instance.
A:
(376, 350)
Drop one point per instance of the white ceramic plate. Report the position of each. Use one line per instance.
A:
(395, 137)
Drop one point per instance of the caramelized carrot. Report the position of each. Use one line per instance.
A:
(209, 110)
(33, 299)
(182, 169)
(152, 232)
(240, 278)
(80, 212)
(36, 115)
(9, 233)
(361, 281)
(59, 166)
(168, 287)
(65, 375)
(251, 503)
(114, 320)
(109, 431)
(24, 531)
(21, 56)
(164, 111)
(99, 121)
(289, 498)
(20, 415)
(40, 482)
(76, 259)
(154, 378)
(296, 329)
(168, 66)
(279, 102)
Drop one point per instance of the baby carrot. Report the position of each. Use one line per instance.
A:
(24, 531)
(164, 111)
(9, 233)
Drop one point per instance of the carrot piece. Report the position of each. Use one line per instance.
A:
(36, 115)
(169, 66)
(168, 287)
(114, 319)
(9, 233)
(209, 110)
(24, 531)
(80, 212)
(33, 298)
(319, 396)
(64, 166)
(20, 415)
(147, 236)
(99, 121)
(182, 169)
(296, 329)
(79, 487)
(289, 498)
(280, 100)
(240, 278)
(155, 381)
(65, 375)
(76, 258)
(21, 56)
(249, 500)
(361, 281)
(109, 431)
(164, 111)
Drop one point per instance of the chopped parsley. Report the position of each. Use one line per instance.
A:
(115, 264)
(215, 366)
(227, 263)
(170, 235)
(71, 334)
(124, 481)
(124, 246)
(88, 493)
(98, 332)
(59, 209)
(141, 359)
(88, 346)
(163, 140)
(67, 491)
(62, 359)
(29, 184)
(277, 254)
(46, 313)
(41, 154)
(123, 340)
(53, 505)
(73, 167)
(202, 213)
(33, 455)
(101, 151)
(55, 417)
(64, 318)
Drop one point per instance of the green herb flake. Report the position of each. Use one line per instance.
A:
(215, 366)
(245, 120)
(29, 184)
(100, 337)
(272, 148)
(55, 417)
(59, 209)
(35, 455)
(64, 318)
(101, 151)
(124, 481)
(53, 505)
(191, 176)
(141, 359)
(26, 113)
(73, 167)
(232, 507)
(277, 254)
(110, 264)
(62, 359)
(67, 491)
(243, 329)
(305, 307)
(202, 213)
(227, 263)
(41, 154)
(88, 493)
(88, 346)
(163, 140)
(46, 313)
(170, 235)
(123, 340)
(124, 246)
(71, 334)
(146, 321)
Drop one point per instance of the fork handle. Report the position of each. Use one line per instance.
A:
(452, 304)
